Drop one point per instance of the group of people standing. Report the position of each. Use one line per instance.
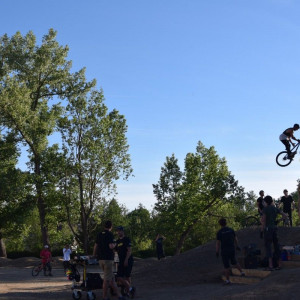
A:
(227, 242)
(286, 202)
(104, 251)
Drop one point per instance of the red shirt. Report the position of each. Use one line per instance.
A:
(45, 255)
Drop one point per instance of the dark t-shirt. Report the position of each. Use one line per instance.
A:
(121, 247)
(287, 202)
(103, 240)
(260, 203)
(226, 236)
(271, 213)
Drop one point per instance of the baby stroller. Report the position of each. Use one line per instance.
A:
(90, 281)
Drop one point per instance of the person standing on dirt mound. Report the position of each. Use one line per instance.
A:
(286, 137)
(270, 213)
(159, 246)
(260, 206)
(288, 205)
(227, 241)
(103, 249)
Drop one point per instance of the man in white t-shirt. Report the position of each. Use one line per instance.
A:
(67, 256)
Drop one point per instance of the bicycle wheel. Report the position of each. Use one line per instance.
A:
(252, 221)
(282, 159)
(36, 270)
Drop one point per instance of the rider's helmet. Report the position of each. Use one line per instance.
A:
(46, 246)
(296, 126)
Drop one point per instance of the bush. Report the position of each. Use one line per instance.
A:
(19, 254)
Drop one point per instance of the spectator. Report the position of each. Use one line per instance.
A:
(46, 260)
(270, 213)
(125, 265)
(103, 249)
(288, 205)
(159, 246)
(67, 257)
(260, 206)
(227, 241)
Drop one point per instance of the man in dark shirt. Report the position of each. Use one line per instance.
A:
(227, 241)
(270, 213)
(103, 249)
(288, 204)
(125, 261)
(260, 206)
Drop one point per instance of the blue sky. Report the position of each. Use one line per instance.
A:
(225, 72)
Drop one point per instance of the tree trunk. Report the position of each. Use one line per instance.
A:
(41, 203)
(83, 217)
(2, 247)
(183, 237)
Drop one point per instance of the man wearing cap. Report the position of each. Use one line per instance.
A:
(125, 261)
(46, 260)
(288, 204)
(103, 249)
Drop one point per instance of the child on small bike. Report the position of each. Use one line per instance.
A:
(286, 137)
(46, 260)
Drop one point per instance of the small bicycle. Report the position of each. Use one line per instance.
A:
(37, 269)
(282, 158)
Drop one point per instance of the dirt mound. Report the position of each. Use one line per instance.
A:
(25, 262)
(200, 264)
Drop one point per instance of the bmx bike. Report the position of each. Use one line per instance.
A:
(37, 269)
(282, 158)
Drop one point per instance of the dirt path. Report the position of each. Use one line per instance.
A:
(193, 275)
(17, 283)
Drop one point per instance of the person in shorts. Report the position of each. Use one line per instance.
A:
(286, 138)
(103, 249)
(227, 242)
(288, 205)
(270, 213)
(125, 265)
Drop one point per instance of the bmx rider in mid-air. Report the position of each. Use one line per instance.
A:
(286, 137)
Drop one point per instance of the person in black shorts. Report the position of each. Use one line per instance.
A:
(286, 138)
(227, 241)
(270, 213)
(288, 205)
(260, 206)
(125, 265)
(103, 249)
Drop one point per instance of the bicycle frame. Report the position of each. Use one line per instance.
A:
(295, 148)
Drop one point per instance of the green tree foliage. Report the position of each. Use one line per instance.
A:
(140, 228)
(185, 198)
(96, 151)
(31, 76)
(14, 184)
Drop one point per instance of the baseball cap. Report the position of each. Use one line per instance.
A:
(121, 228)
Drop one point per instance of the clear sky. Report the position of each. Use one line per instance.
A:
(225, 72)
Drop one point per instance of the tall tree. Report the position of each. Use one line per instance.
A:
(185, 198)
(15, 191)
(96, 148)
(30, 76)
